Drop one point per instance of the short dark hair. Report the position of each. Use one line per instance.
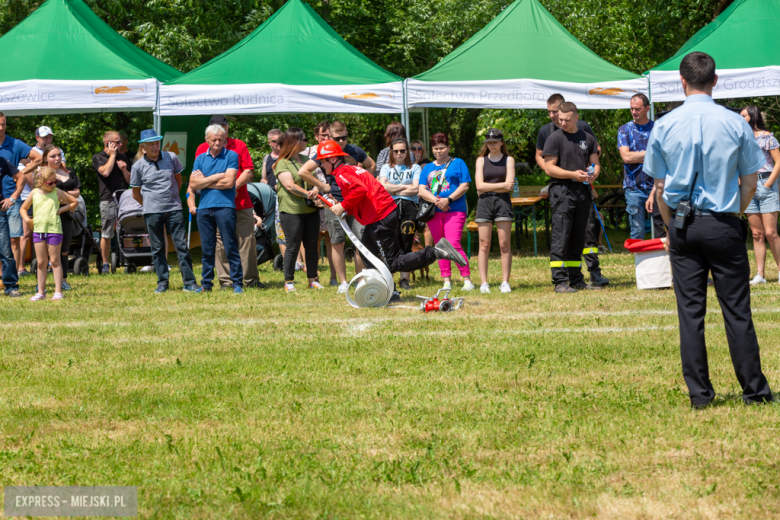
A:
(568, 107)
(321, 127)
(645, 101)
(698, 69)
(440, 138)
(555, 98)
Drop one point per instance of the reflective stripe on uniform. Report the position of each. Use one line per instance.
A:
(573, 264)
(556, 264)
(590, 250)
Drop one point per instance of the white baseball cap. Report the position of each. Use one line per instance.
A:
(43, 131)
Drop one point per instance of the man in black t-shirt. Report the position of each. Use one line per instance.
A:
(591, 251)
(567, 154)
(113, 171)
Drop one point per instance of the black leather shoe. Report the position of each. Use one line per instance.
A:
(564, 288)
(598, 280)
(582, 286)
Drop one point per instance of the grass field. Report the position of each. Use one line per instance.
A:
(266, 405)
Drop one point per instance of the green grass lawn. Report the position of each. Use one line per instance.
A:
(273, 405)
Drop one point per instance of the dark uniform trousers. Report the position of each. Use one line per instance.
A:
(383, 239)
(591, 251)
(715, 243)
(407, 214)
(570, 207)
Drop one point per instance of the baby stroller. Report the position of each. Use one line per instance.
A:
(132, 237)
(81, 245)
(264, 202)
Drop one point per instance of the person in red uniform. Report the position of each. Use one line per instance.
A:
(371, 205)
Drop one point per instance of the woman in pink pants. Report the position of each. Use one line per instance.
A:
(445, 183)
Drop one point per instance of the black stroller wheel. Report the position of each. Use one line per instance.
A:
(130, 269)
(114, 262)
(81, 267)
(34, 267)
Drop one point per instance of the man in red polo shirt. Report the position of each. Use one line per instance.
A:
(371, 205)
(245, 220)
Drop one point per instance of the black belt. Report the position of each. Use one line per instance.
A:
(765, 175)
(703, 212)
(490, 194)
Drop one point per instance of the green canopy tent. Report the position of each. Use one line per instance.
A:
(292, 63)
(64, 59)
(310, 69)
(740, 41)
(538, 58)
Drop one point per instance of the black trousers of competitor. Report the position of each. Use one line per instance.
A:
(715, 243)
(407, 213)
(591, 251)
(383, 239)
(570, 207)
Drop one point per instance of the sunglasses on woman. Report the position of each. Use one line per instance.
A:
(417, 148)
(399, 152)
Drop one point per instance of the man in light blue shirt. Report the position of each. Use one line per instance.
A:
(706, 155)
(214, 173)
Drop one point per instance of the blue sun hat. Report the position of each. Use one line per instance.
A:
(149, 136)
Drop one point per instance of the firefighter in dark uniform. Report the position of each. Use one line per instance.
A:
(567, 154)
(591, 250)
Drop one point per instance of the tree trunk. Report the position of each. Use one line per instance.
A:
(722, 5)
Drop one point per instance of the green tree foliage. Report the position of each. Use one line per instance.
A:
(406, 37)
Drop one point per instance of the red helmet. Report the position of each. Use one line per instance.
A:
(328, 149)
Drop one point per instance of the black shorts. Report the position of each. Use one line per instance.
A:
(494, 208)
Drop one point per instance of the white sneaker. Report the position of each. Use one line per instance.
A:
(757, 280)
(484, 288)
(468, 286)
(342, 288)
(147, 269)
(505, 288)
(447, 285)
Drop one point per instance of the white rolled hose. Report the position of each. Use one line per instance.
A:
(373, 287)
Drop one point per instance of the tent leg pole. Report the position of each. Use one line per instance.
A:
(157, 118)
(426, 130)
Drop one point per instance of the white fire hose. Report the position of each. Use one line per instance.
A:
(373, 287)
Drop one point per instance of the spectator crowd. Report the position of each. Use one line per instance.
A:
(41, 194)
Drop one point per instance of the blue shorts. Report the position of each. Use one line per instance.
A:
(765, 200)
(15, 227)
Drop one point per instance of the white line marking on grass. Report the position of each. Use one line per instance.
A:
(459, 315)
